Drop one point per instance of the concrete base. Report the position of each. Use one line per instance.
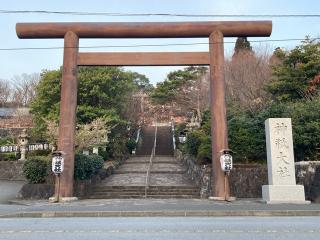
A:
(230, 199)
(276, 194)
(62, 199)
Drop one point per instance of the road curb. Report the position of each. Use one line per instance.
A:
(263, 213)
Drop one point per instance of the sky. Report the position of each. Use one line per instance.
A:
(30, 61)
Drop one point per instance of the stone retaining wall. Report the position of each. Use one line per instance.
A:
(246, 180)
(16, 122)
(201, 175)
(11, 170)
(308, 174)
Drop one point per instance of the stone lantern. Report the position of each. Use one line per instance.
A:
(194, 123)
(23, 143)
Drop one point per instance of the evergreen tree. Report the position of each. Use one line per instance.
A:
(102, 92)
(242, 46)
(293, 79)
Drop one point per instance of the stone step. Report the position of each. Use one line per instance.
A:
(147, 158)
(152, 171)
(119, 193)
(130, 171)
(142, 196)
(154, 161)
(156, 165)
(142, 187)
(107, 188)
(148, 190)
(174, 196)
(172, 188)
(132, 192)
(115, 196)
(173, 193)
(151, 187)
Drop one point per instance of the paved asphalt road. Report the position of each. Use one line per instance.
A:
(162, 228)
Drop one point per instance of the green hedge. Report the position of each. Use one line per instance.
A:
(9, 156)
(38, 153)
(35, 169)
(86, 166)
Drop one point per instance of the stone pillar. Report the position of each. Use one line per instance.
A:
(282, 186)
(67, 123)
(219, 134)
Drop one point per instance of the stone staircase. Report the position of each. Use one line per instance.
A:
(145, 145)
(164, 141)
(168, 178)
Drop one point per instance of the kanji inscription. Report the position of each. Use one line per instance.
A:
(280, 151)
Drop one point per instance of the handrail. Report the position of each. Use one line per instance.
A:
(137, 140)
(138, 134)
(173, 137)
(153, 153)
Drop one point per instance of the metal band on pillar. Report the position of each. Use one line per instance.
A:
(220, 185)
(68, 106)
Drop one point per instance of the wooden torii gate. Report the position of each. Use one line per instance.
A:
(215, 31)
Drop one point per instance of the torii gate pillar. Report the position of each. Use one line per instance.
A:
(219, 129)
(67, 124)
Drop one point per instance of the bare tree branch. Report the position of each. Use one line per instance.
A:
(24, 88)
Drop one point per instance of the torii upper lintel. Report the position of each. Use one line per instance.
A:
(145, 29)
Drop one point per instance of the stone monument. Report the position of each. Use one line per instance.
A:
(282, 186)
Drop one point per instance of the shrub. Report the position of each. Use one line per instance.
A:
(6, 140)
(35, 169)
(86, 166)
(199, 145)
(9, 156)
(131, 144)
(306, 128)
(117, 149)
(192, 144)
(104, 153)
(246, 137)
(39, 153)
(204, 155)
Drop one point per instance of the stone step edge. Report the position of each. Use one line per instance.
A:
(154, 162)
(143, 189)
(155, 172)
(149, 193)
(142, 196)
(150, 187)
